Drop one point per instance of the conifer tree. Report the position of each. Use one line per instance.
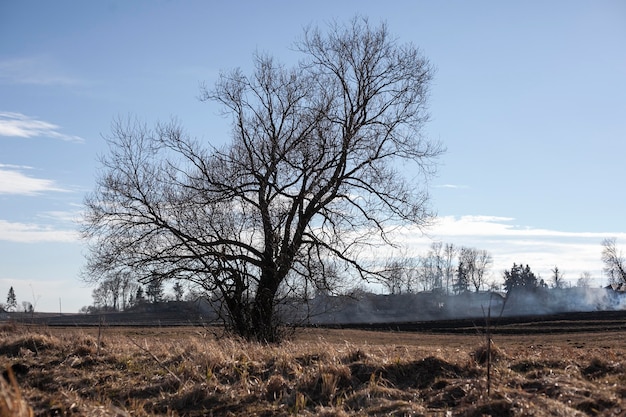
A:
(11, 300)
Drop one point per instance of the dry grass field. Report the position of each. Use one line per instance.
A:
(189, 371)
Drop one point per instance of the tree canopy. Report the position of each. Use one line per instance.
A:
(521, 278)
(11, 300)
(614, 261)
(315, 169)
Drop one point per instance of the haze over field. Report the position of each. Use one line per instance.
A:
(529, 99)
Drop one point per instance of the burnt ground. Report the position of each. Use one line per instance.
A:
(579, 322)
(181, 314)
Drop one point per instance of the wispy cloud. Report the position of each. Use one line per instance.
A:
(13, 181)
(37, 70)
(452, 186)
(34, 233)
(67, 217)
(19, 125)
(502, 227)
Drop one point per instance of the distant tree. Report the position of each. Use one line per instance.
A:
(449, 253)
(103, 297)
(437, 261)
(584, 281)
(11, 304)
(154, 291)
(139, 296)
(432, 267)
(115, 289)
(558, 281)
(179, 291)
(462, 282)
(311, 170)
(614, 261)
(475, 262)
(520, 278)
(27, 307)
(399, 275)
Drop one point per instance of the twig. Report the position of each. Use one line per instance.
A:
(100, 323)
(169, 371)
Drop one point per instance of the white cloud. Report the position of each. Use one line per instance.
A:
(15, 182)
(485, 226)
(452, 186)
(38, 70)
(19, 125)
(62, 216)
(33, 233)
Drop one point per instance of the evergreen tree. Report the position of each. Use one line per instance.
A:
(154, 291)
(139, 296)
(462, 279)
(520, 277)
(11, 300)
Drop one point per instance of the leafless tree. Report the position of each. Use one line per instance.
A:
(312, 172)
(399, 275)
(449, 253)
(431, 268)
(584, 281)
(558, 280)
(476, 263)
(436, 255)
(115, 288)
(614, 262)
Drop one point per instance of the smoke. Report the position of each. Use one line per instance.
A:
(376, 308)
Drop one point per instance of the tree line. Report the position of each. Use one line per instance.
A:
(123, 291)
(445, 268)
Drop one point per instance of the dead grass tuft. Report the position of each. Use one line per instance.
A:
(29, 342)
(480, 355)
(598, 368)
(11, 401)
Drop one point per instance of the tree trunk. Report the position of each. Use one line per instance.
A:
(264, 321)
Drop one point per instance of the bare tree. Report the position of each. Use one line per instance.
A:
(115, 289)
(584, 281)
(614, 262)
(102, 297)
(436, 255)
(311, 172)
(431, 268)
(400, 275)
(475, 264)
(558, 280)
(449, 253)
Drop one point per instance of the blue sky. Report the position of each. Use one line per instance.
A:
(529, 98)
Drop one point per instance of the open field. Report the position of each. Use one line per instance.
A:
(330, 372)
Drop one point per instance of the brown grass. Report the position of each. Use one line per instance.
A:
(187, 371)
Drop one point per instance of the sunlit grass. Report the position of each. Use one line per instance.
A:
(161, 372)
